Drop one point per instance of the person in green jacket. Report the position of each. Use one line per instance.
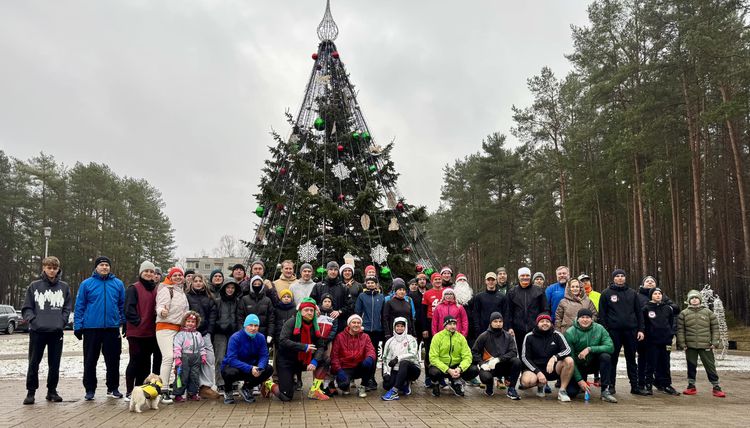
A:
(450, 357)
(698, 335)
(591, 350)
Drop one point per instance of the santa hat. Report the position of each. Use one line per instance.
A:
(435, 276)
(461, 277)
(445, 269)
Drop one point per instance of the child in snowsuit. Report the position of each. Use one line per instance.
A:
(189, 354)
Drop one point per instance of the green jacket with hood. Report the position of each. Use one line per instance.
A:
(595, 337)
(697, 326)
(448, 350)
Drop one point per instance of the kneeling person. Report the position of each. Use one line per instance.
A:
(450, 357)
(591, 348)
(496, 349)
(400, 361)
(546, 355)
(246, 359)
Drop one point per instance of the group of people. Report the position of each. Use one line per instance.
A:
(205, 337)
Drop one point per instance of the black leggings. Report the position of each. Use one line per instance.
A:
(407, 372)
(140, 350)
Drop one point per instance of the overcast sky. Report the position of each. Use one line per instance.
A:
(183, 93)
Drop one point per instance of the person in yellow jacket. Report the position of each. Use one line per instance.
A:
(450, 357)
(593, 295)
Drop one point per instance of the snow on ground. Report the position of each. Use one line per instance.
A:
(13, 360)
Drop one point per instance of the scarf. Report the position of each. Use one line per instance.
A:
(306, 338)
(306, 302)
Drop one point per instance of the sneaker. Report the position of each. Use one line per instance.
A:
(458, 388)
(489, 391)
(443, 384)
(29, 398)
(361, 391)
(428, 383)
(127, 397)
(607, 396)
(114, 394)
(547, 389)
(247, 395)
(53, 397)
(345, 391)
(406, 390)
(512, 393)
(670, 390)
(179, 399)
(648, 389)
(638, 391)
(718, 392)
(166, 398)
(436, 390)
(562, 395)
(298, 385)
(316, 394)
(228, 397)
(194, 397)
(89, 396)
(390, 395)
(371, 385)
(612, 390)
(256, 391)
(475, 382)
(690, 390)
(540, 392)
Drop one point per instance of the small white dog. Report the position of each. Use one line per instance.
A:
(149, 393)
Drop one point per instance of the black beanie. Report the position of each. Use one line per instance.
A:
(102, 259)
(398, 283)
(585, 312)
(495, 316)
(238, 266)
(618, 272)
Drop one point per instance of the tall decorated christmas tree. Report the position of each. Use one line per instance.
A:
(329, 192)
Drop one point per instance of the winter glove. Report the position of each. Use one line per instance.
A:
(341, 377)
(78, 334)
(485, 367)
(367, 363)
(177, 362)
(393, 362)
(269, 339)
(493, 362)
(203, 360)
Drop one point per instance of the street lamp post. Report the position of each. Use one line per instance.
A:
(47, 234)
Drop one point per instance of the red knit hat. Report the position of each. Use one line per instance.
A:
(435, 275)
(543, 317)
(174, 270)
(461, 277)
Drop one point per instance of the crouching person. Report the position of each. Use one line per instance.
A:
(246, 360)
(400, 361)
(591, 348)
(450, 357)
(353, 357)
(496, 351)
(546, 355)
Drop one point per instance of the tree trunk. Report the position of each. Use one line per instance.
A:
(698, 261)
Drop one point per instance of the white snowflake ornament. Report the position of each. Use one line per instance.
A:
(307, 252)
(379, 254)
(341, 171)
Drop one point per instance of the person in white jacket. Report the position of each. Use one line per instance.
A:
(171, 308)
(400, 361)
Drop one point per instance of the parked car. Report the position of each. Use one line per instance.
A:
(22, 325)
(8, 319)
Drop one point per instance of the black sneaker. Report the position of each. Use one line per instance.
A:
(489, 391)
(435, 389)
(29, 398)
(458, 388)
(512, 393)
(648, 389)
(670, 390)
(371, 385)
(115, 393)
(298, 385)
(89, 396)
(638, 391)
(228, 397)
(53, 397)
(247, 395)
(612, 390)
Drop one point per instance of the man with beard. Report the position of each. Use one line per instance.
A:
(496, 350)
(556, 292)
(546, 355)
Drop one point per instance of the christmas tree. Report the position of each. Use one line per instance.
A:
(329, 192)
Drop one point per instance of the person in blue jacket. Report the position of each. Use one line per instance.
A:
(99, 314)
(556, 292)
(246, 360)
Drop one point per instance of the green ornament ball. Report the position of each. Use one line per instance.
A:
(259, 211)
(385, 271)
(280, 230)
(319, 124)
(320, 270)
(373, 168)
(356, 135)
(366, 136)
(429, 271)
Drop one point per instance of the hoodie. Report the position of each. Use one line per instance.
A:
(47, 304)
(301, 289)
(619, 309)
(402, 346)
(227, 310)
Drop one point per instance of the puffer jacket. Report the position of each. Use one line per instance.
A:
(659, 322)
(350, 350)
(594, 337)
(697, 327)
(227, 310)
(199, 301)
(258, 303)
(456, 311)
(176, 302)
(567, 309)
(282, 312)
(100, 303)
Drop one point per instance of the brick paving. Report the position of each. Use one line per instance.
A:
(418, 410)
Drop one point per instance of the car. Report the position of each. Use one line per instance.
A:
(22, 325)
(8, 319)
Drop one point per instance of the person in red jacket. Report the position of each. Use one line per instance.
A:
(353, 357)
(448, 306)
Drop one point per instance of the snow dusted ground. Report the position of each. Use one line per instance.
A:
(14, 348)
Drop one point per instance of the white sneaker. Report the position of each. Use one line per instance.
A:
(256, 390)
(540, 392)
(361, 391)
(562, 395)
(127, 398)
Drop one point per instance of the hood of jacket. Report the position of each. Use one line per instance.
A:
(569, 293)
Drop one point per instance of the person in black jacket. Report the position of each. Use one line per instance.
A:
(46, 308)
(257, 302)
(524, 303)
(332, 285)
(546, 355)
(658, 318)
(645, 371)
(398, 306)
(486, 303)
(227, 323)
(201, 300)
(497, 356)
(621, 314)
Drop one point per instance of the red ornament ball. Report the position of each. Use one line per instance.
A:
(315, 56)
(335, 54)
(420, 268)
(341, 197)
(340, 148)
(282, 171)
(400, 206)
